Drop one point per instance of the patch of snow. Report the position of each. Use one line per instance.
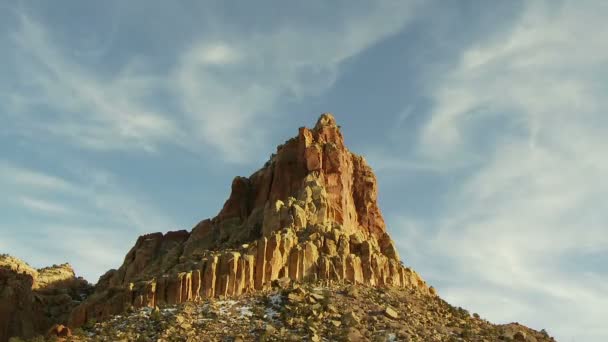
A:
(225, 306)
(276, 299)
(226, 302)
(245, 311)
(270, 313)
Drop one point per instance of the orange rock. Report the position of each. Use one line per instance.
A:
(310, 213)
(59, 330)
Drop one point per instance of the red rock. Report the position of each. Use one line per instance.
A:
(59, 330)
(310, 213)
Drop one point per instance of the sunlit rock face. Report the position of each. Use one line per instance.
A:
(310, 214)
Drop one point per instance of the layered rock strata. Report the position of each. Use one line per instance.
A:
(309, 214)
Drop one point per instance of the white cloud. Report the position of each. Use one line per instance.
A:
(545, 68)
(83, 106)
(222, 84)
(38, 205)
(531, 105)
(227, 85)
(28, 178)
(215, 95)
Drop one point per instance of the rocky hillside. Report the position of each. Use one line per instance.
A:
(31, 300)
(308, 312)
(299, 251)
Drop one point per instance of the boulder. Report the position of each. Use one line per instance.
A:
(391, 313)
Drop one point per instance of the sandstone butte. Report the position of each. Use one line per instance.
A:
(309, 214)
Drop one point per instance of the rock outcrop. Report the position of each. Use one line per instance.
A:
(310, 214)
(31, 300)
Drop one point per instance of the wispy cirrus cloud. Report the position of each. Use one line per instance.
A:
(529, 106)
(238, 81)
(31, 179)
(218, 93)
(40, 205)
(79, 218)
(214, 89)
(80, 105)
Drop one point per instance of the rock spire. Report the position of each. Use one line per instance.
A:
(310, 214)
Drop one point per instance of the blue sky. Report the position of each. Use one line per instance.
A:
(484, 121)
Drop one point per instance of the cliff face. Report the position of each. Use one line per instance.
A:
(309, 214)
(31, 300)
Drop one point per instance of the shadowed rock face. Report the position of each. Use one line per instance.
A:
(309, 214)
(31, 300)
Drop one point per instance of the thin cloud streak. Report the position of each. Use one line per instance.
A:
(535, 199)
(86, 109)
(221, 86)
(76, 213)
(39, 205)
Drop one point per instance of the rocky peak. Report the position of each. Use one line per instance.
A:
(18, 266)
(55, 276)
(325, 120)
(310, 214)
(300, 243)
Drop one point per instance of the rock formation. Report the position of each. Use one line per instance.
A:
(31, 300)
(310, 214)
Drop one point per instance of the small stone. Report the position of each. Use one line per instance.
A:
(350, 319)
(270, 329)
(59, 330)
(353, 334)
(391, 313)
(296, 298)
(282, 282)
(317, 297)
(352, 292)
(336, 324)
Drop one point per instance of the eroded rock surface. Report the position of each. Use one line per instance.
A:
(32, 300)
(310, 214)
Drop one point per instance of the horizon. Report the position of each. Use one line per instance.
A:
(484, 123)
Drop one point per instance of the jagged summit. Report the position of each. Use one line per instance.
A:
(300, 247)
(309, 214)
